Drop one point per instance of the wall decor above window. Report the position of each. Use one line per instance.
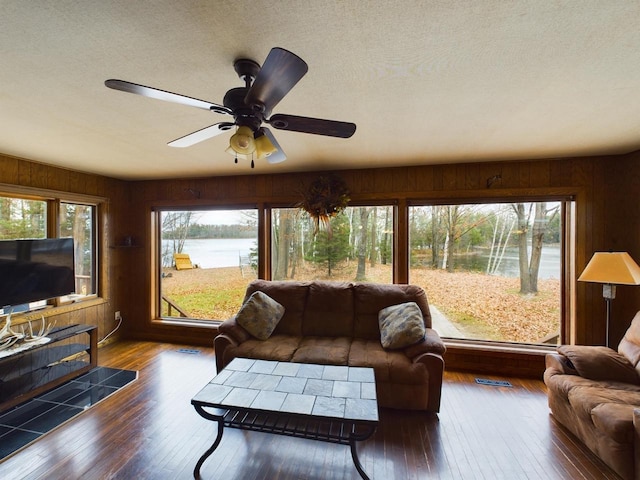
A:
(326, 197)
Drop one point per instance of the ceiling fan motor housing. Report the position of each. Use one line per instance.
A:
(245, 115)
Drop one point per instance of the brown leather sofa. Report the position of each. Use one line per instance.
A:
(337, 323)
(595, 393)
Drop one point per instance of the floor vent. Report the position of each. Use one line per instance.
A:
(189, 351)
(493, 383)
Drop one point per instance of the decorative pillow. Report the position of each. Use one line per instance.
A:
(260, 315)
(401, 325)
(600, 363)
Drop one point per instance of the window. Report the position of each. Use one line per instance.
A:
(28, 218)
(22, 218)
(78, 222)
(355, 246)
(491, 271)
(206, 259)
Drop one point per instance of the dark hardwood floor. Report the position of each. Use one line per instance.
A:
(149, 430)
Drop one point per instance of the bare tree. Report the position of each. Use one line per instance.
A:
(529, 268)
(373, 249)
(499, 241)
(284, 237)
(175, 227)
(361, 273)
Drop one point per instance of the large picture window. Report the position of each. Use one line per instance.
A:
(207, 258)
(356, 245)
(491, 271)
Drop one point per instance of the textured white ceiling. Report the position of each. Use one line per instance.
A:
(426, 82)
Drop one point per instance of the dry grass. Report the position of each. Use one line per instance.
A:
(482, 306)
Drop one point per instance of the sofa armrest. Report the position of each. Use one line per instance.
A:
(599, 363)
(435, 366)
(432, 343)
(220, 344)
(231, 329)
(559, 364)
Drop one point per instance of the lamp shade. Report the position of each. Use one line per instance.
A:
(240, 156)
(264, 147)
(616, 268)
(242, 141)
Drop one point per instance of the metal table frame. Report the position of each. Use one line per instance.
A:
(343, 431)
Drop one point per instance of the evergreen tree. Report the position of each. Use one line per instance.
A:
(330, 251)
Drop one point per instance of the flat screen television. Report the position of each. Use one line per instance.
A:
(35, 270)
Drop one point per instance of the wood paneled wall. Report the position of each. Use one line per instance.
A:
(37, 177)
(601, 186)
(608, 218)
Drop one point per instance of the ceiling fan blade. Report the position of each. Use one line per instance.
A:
(279, 74)
(279, 155)
(158, 94)
(317, 126)
(201, 135)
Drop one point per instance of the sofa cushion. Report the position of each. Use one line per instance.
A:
(277, 347)
(600, 363)
(325, 350)
(584, 399)
(390, 366)
(329, 310)
(401, 326)
(370, 298)
(292, 295)
(259, 315)
(615, 420)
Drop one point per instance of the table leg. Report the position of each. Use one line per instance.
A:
(356, 460)
(210, 450)
(353, 438)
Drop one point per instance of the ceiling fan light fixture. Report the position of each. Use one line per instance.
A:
(240, 156)
(242, 141)
(264, 147)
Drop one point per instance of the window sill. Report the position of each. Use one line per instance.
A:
(57, 310)
(188, 322)
(506, 347)
(496, 358)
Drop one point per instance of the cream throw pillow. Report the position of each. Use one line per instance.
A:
(401, 325)
(260, 315)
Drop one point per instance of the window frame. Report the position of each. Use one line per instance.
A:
(401, 243)
(391, 204)
(156, 257)
(53, 200)
(568, 206)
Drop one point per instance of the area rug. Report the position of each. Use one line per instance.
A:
(25, 423)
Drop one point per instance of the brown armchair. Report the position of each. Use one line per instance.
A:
(594, 392)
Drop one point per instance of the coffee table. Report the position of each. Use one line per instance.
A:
(335, 404)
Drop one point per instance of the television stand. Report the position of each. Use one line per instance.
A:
(28, 373)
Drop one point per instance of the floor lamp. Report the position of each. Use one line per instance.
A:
(611, 269)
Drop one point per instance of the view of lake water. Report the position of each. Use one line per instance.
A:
(218, 252)
(225, 252)
(549, 263)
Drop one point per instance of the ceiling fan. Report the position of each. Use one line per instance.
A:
(251, 106)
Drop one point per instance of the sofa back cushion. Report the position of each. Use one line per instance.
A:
(630, 344)
(337, 309)
(329, 311)
(370, 298)
(291, 295)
